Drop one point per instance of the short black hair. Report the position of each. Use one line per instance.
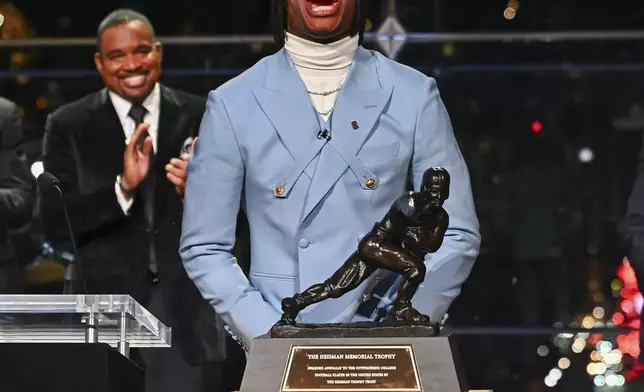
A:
(119, 17)
(279, 11)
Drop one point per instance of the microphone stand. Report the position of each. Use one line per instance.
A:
(70, 270)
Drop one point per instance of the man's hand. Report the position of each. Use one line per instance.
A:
(136, 162)
(176, 170)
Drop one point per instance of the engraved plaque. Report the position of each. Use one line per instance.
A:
(351, 368)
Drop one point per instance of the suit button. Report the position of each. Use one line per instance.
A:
(303, 243)
(279, 190)
(370, 183)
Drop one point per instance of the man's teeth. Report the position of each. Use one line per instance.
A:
(322, 8)
(134, 80)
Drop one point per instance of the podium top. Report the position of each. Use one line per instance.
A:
(62, 319)
(71, 304)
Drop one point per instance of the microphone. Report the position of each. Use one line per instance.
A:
(47, 182)
(324, 135)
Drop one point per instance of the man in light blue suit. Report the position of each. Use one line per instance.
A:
(316, 142)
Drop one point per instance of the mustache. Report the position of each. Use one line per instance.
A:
(128, 74)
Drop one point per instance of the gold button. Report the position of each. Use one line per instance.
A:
(279, 190)
(370, 183)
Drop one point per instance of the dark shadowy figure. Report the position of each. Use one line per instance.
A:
(414, 226)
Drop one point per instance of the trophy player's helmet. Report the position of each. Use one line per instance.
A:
(436, 181)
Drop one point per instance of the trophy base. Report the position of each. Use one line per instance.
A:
(355, 330)
(387, 364)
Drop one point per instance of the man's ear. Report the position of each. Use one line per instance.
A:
(98, 62)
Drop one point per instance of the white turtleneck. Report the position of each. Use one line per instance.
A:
(322, 67)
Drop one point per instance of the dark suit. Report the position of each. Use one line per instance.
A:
(633, 233)
(16, 185)
(83, 147)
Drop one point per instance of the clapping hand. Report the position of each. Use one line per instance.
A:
(136, 161)
(176, 170)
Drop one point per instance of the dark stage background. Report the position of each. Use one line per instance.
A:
(550, 125)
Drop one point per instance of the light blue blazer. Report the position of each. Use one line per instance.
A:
(308, 199)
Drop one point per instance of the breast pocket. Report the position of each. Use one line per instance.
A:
(379, 153)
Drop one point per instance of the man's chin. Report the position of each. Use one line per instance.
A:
(325, 33)
(136, 95)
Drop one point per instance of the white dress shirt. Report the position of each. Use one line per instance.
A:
(122, 106)
(322, 67)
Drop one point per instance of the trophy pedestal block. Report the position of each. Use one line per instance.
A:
(409, 363)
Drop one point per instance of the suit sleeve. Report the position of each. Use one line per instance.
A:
(211, 206)
(449, 267)
(89, 210)
(632, 229)
(16, 184)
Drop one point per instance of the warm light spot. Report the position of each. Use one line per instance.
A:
(22, 79)
(588, 322)
(368, 25)
(17, 58)
(579, 345)
(564, 363)
(598, 312)
(449, 49)
(42, 103)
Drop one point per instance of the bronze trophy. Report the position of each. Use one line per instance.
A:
(402, 353)
(414, 226)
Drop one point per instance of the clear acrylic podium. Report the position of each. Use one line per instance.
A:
(117, 320)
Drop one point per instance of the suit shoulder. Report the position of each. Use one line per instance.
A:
(74, 111)
(190, 99)
(241, 83)
(6, 105)
(402, 74)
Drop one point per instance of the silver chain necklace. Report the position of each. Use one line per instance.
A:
(324, 93)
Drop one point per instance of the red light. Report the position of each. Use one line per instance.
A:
(618, 318)
(537, 127)
(627, 306)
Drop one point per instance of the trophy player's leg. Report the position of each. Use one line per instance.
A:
(348, 277)
(414, 273)
(382, 254)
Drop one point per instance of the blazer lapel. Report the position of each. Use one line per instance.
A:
(360, 104)
(173, 126)
(105, 134)
(284, 100)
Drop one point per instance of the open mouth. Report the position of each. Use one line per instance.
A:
(134, 81)
(322, 7)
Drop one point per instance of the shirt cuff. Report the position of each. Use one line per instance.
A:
(124, 202)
